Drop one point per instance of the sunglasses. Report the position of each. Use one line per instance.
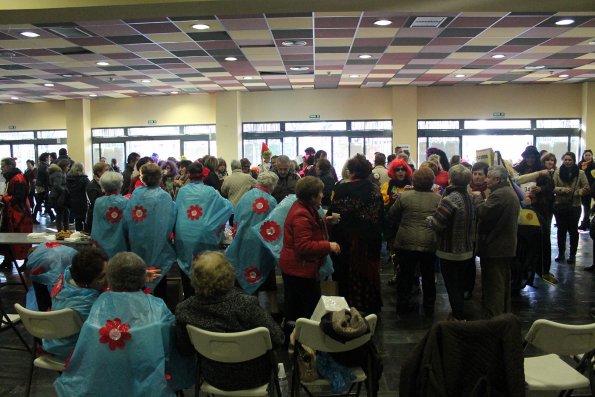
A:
(400, 169)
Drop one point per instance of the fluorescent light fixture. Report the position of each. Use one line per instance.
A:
(293, 43)
(29, 34)
(534, 67)
(459, 75)
(383, 22)
(354, 76)
(14, 98)
(48, 85)
(564, 76)
(498, 56)
(173, 92)
(102, 63)
(565, 22)
(201, 26)
(145, 81)
(92, 95)
(247, 77)
(299, 68)
(231, 59)
(365, 56)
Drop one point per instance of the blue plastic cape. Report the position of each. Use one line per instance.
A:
(251, 260)
(149, 221)
(131, 355)
(270, 233)
(201, 214)
(108, 224)
(69, 296)
(48, 261)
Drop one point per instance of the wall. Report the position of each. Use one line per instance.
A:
(33, 116)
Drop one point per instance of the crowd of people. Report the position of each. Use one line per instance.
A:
(298, 220)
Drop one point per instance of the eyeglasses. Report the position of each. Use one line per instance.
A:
(400, 169)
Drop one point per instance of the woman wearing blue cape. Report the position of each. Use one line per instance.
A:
(108, 226)
(201, 214)
(126, 346)
(149, 221)
(253, 263)
(77, 289)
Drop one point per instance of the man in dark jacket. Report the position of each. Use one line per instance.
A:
(42, 188)
(127, 174)
(63, 155)
(497, 239)
(287, 179)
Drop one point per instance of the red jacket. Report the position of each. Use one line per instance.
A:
(304, 242)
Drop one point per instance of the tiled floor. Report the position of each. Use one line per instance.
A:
(570, 301)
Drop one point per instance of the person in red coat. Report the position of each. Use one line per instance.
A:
(305, 246)
(16, 217)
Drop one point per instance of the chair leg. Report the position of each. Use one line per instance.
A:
(31, 368)
(359, 389)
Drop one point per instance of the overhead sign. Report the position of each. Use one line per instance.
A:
(314, 116)
(498, 115)
(151, 121)
(12, 127)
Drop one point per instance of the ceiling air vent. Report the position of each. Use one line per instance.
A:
(427, 22)
(69, 32)
(374, 84)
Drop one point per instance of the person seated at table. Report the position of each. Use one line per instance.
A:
(77, 289)
(220, 307)
(108, 228)
(125, 347)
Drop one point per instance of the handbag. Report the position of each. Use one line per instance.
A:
(306, 359)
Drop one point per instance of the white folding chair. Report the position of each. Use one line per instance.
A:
(549, 371)
(309, 333)
(48, 325)
(9, 321)
(234, 347)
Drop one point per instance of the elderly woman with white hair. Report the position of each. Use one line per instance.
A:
(132, 334)
(108, 230)
(254, 264)
(454, 220)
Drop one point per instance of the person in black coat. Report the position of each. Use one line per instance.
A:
(42, 188)
(76, 182)
(94, 191)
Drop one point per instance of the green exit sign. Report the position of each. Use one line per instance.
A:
(151, 121)
(314, 116)
(499, 115)
(12, 127)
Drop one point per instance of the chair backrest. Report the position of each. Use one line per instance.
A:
(50, 325)
(563, 339)
(231, 347)
(309, 333)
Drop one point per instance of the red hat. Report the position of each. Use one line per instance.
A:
(265, 149)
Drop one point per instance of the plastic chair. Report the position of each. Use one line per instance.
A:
(309, 333)
(234, 348)
(549, 371)
(9, 321)
(48, 325)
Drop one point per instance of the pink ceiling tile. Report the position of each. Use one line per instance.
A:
(218, 45)
(440, 48)
(564, 41)
(334, 33)
(419, 32)
(519, 21)
(336, 22)
(473, 22)
(112, 30)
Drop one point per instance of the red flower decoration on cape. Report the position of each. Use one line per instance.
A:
(194, 212)
(147, 291)
(58, 286)
(252, 275)
(270, 231)
(260, 205)
(139, 213)
(114, 333)
(234, 230)
(52, 244)
(113, 215)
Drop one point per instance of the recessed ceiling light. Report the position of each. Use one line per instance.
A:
(365, 56)
(231, 59)
(145, 81)
(534, 67)
(459, 75)
(247, 77)
(102, 63)
(293, 43)
(48, 85)
(201, 26)
(498, 56)
(29, 34)
(173, 92)
(14, 98)
(383, 22)
(93, 95)
(299, 68)
(565, 21)
(564, 76)
(592, 42)
(353, 76)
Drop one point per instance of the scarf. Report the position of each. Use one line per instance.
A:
(585, 164)
(567, 174)
(478, 188)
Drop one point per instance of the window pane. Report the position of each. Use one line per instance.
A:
(553, 144)
(340, 153)
(199, 129)
(22, 153)
(438, 124)
(213, 144)
(164, 148)
(154, 131)
(450, 145)
(4, 151)
(107, 132)
(574, 147)
(510, 146)
(16, 136)
(501, 124)
(114, 151)
(54, 134)
(572, 123)
(422, 146)
(194, 150)
(317, 142)
(371, 125)
(290, 147)
(96, 153)
(252, 150)
(356, 145)
(276, 146)
(261, 127)
(50, 148)
(317, 126)
(382, 145)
